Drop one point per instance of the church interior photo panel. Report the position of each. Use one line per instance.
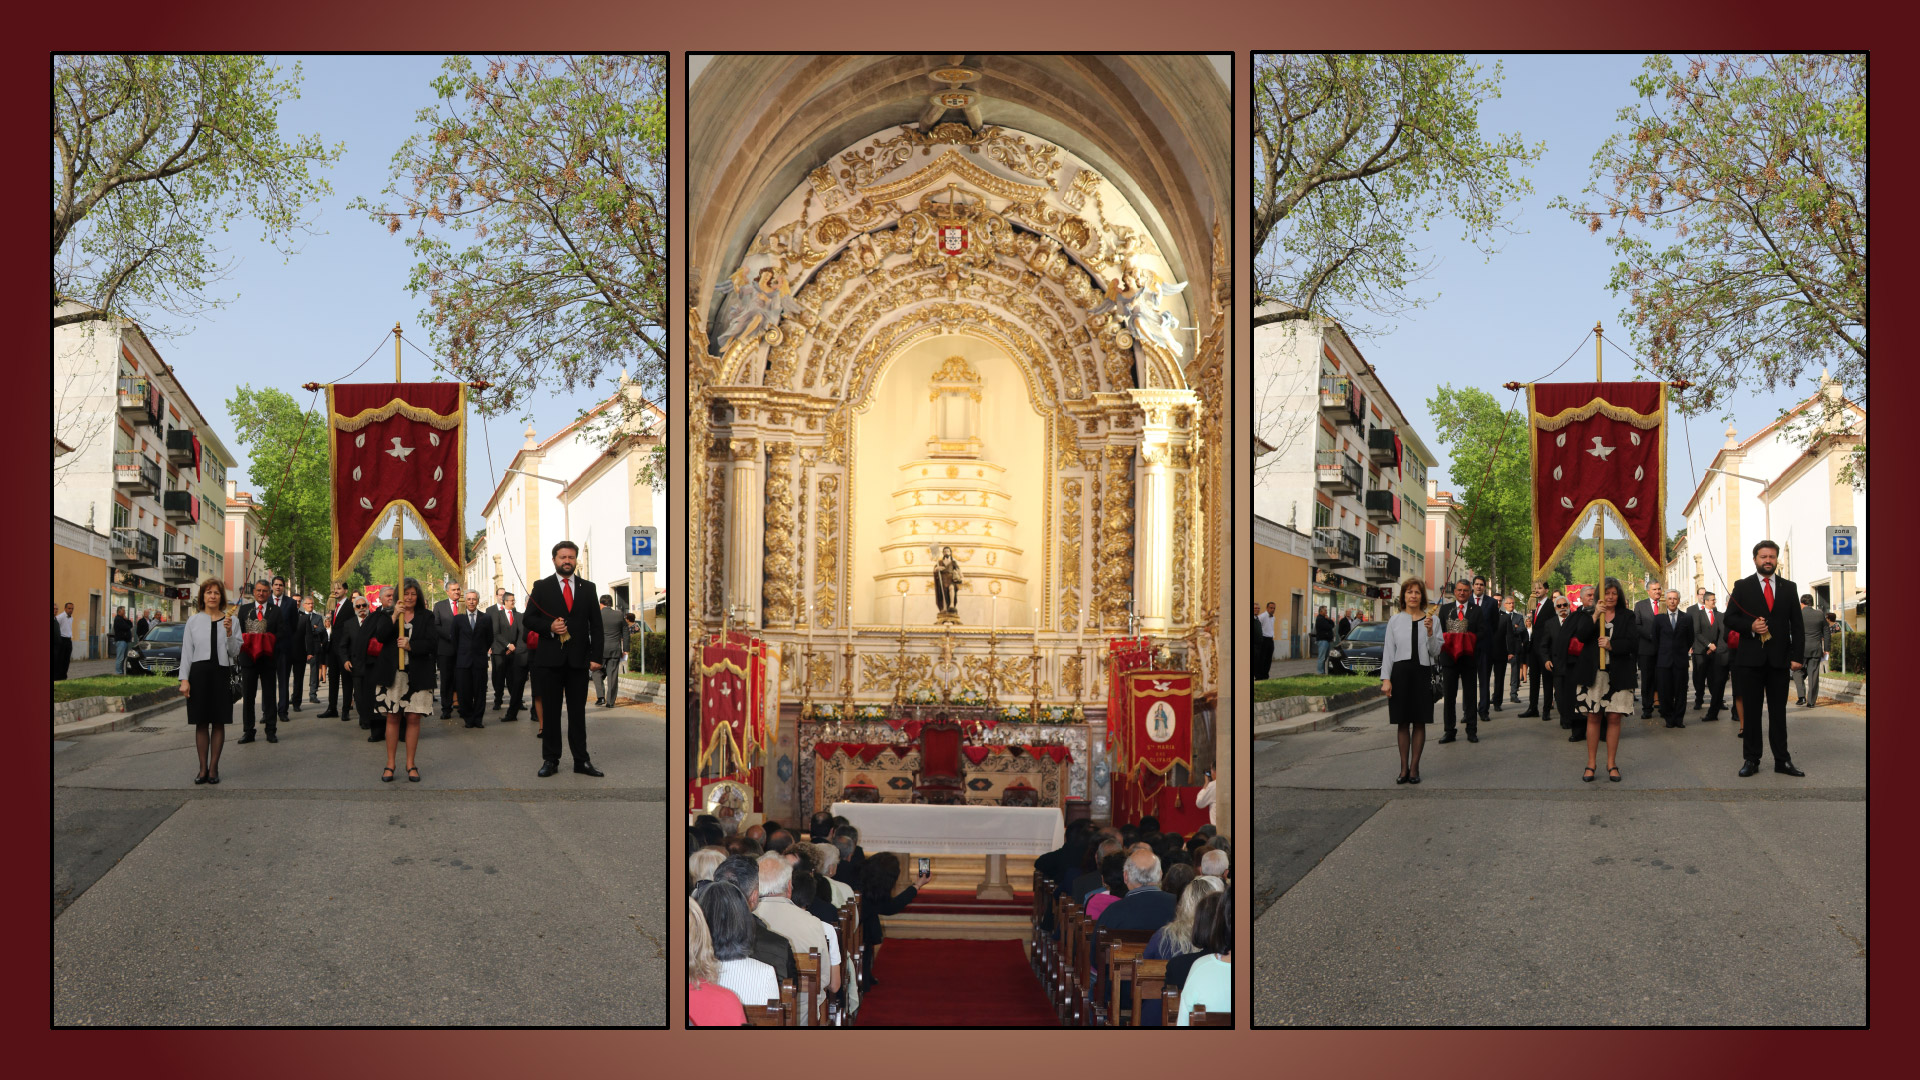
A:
(959, 520)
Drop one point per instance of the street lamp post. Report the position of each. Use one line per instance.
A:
(1765, 486)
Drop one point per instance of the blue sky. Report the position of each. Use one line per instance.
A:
(314, 316)
(1520, 314)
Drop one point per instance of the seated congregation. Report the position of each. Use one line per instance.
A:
(1130, 926)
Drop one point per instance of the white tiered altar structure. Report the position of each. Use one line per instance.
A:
(977, 305)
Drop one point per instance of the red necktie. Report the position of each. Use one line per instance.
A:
(566, 589)
(509, 618)
(1709, 618)
(1768, 583)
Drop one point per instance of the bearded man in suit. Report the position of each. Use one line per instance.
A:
(561, 609)
(1772, 645)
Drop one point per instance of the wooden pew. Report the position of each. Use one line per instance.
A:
(1170, 1012)
(1149, 978)
(1042, 902)
(1122, 948)
(813, 1005)
(780, 1012)
(1086, 972)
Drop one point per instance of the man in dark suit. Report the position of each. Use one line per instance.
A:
(1322, 640)
(561, 606)
(1490, 653)
(1544, 623)
(1644, 612)
(509, 647)
(361, 665)
(1344, 628)
(1672, 633)
(1146, 906)
(443, 613)
(314, 654)
(1566, 696)
(1516, 650)
(342, 622)
(472, 637)
(289, 649)
(1461, 615)
(1761, 605)
(1709, 656)
(260, 615)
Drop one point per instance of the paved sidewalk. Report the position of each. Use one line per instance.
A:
(1504, 891)
(304, 891)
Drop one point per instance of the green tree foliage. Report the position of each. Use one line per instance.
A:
(538, 193)
(1580, 564)
(156, 156)
(1490, 472)
(1357, 154)
(376, 567)
(287, 446)
(1738, 192)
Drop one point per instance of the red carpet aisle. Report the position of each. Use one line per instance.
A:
(946, 983)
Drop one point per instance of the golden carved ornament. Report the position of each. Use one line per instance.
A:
(1071, 537)
(826, 553)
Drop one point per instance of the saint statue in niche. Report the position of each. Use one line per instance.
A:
(946, 586)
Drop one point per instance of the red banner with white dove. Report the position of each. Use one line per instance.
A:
(1161, 712)
(398, 445)
(1598, 444)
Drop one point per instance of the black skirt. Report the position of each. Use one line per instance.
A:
(1412, 700)
(210, 694)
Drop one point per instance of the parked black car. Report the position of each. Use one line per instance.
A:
(158, 653)
(1359, 653)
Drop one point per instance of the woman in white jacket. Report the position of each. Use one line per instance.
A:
(208, 649)
(1406, 665)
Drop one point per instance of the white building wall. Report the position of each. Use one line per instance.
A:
(1286, 364)
(86, 368)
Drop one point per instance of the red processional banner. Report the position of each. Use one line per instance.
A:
(398, 445)
(1598, 444)
(1161, 728)
(1124, 655)
(732, 673)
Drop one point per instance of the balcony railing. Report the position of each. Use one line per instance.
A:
(179, 567)
(1382, 566)
(1336, 547)
(180, 445)
(1340, 400)
(181, 507)
(139, 401)
(1337, 473)
(134, 549)
(1383, 446)
(136, 474)
(1382, 506)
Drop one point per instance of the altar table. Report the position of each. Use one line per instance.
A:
(993, 831)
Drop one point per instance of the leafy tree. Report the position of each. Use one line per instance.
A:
(153, 157)
(376, 567)
(1354, 155)
(538, 194)
(1581, 562)
(288, 450)
(1491, 471)
(1738, 192)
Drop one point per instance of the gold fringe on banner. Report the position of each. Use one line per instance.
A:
(396, 407)
(367, 539)
(1639, 420)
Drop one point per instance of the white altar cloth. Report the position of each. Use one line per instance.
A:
(956, 830)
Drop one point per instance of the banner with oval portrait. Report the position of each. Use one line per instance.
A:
(1162, 720)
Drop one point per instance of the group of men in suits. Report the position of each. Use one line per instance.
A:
(559, 642)
(1672, 642)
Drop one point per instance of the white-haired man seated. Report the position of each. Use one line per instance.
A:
(1214, 863)
(1146, 906)
(790, 921)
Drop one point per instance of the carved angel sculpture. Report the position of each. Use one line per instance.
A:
(1137, 296)
(753, 303)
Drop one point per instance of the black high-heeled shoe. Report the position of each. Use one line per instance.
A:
(1402, 778)
(413, 775)
(386, 775)
(1588, 778)
(201, 779)
(213, 777)
(1413, 778)
(1613, 773)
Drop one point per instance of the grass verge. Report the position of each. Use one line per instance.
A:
(1311, 686)
(111, 686)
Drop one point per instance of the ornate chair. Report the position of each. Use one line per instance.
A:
(859, 790)
(939, 781)
(1020, 793)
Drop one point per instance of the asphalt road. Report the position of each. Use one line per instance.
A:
(1504, 891)
(304, 891)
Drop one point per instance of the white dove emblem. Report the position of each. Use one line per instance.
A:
(401, 452)
(1598, 451)
(1162, 686)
